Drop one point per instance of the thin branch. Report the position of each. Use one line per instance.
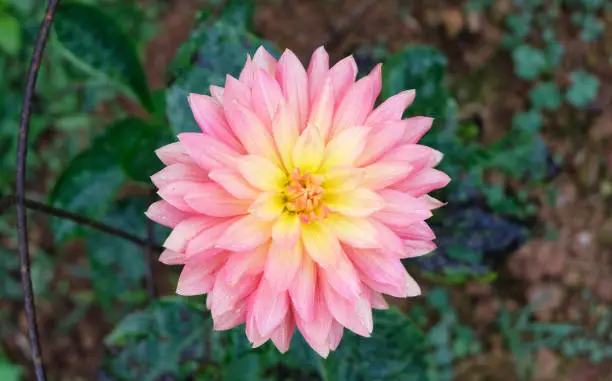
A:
(22, 225)
(149, 252)
(56, 212)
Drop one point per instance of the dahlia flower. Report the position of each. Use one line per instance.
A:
(297, 201)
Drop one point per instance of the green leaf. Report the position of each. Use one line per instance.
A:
(583, 90)
(135, 142)
(210, 53)
(87, 186)
(167, 339)
(97, 44)
(118, 266)
(8, 370)
(395, 350)
(421, 68)
(545, 95)
(529, 62)
(10, 34)
(246, 368)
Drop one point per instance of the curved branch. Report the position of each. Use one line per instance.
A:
(22, 226)
(52, 211)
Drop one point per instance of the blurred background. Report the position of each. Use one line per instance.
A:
(521, 285)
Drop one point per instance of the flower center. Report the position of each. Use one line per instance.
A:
(304, 196)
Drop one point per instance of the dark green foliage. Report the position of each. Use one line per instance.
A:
(87, 186)
(98, 45)
(583, 90)
(168, 338)
(421, 68)
(210, 53)
(545, 95)
(118, 266)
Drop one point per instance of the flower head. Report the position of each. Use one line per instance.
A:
(297, 201)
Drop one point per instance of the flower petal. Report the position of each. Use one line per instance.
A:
(246, 263)
(303, 289)
(267, 95)
(207, 151)
(178, 172)
(165, 214)
(265, 60)
(380, 141)
(217, 93)
(261, 173)
(175, 192)
(173, 153)
(293, 79)
(392, 109)
(354, 314)
(342, 179)
(268, 206)
(342, 76)
(401, 209)
(383, 174)
(245, 234)
(212, 200)
(188, 229)
(205, 240)
(169, 257)
(321, 245)
(355, 106)
(269, 307)
(199, 276)
(343, 278)
(416, 127)
(322, 112)
(286, 132)
(281, 337)
(345, 147)
(317, 71)
(309, 150)
(209, 115)
(233, 183)
(423, 182)
(235, 92)
(360, 202)
(354, 231)
(282, 266)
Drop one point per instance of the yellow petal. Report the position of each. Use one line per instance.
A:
(342, 179)
(357, 232)
(268, 206)
(345, 147)
(321, 244)
(360, 202)
(309, 150)
(261, 173)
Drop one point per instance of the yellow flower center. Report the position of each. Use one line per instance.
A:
(304, 196)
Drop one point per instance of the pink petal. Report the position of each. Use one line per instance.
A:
(416, 127)
(431, 202)
(322, 112)
(376, 299)
(265, 60)
(281, 337)
(417, 248)
(316, 331)
(207, 151)
(335, 335)
(231, 318)
(233, 183)
(423, 182)
(282, 266)
(286, 132)
(173, 153)
(376, 76)
(175, 193)
(209, 115)
(383, 174)
(261, 173)
(416, 231)
(309, 150)
(178, 172)
(401, 209)
(354, 314)
(245, 234)
(418, 156)
(217, 93)
(188, 229)
(355, 106)
(302, 290)
(343, 75)
(225, 297)
(321, 245)
(360, 202)
(389, 242)
(236, 92)
(378, 267)
(245, 263)
(353, 231)
(317, 71)
(198, 276)
(206, 239)
(267, 95)
(212, 200)
(169, 257)
(380, 141)
(343, 278)
(286, 231)
(165, 214)
(250, 131)
(392, 109)
(246, 75)
(406, 288)
(293, 79)
(345, 147)
(269, 307)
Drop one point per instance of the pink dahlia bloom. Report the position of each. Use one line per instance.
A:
(297, 201)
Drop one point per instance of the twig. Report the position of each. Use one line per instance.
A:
(22, 225)
(149, 253)
(50, 210)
